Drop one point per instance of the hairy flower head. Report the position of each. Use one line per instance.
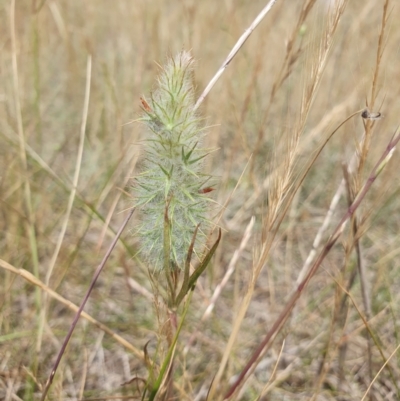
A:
(171, 182)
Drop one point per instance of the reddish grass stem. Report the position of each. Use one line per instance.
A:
(281, 320)
(78, 313)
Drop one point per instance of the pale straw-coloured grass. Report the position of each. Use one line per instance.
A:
(288, 164)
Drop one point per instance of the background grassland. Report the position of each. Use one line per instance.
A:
(254, 111)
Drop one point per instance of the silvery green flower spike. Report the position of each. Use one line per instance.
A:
(170, 188)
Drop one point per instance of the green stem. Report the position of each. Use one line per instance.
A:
(168, 359)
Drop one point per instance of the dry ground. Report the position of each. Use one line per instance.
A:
(267, 121)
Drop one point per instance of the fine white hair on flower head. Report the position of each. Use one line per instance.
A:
(171, 183)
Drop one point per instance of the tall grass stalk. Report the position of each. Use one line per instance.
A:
(29, 210)
(280, 194)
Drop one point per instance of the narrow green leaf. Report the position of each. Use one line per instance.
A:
(185, 283)
(197, 273)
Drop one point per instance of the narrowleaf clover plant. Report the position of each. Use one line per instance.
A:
(170, 190)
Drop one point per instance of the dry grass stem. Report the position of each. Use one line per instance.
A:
(234, 51)
(32, 279)
(298, 299)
